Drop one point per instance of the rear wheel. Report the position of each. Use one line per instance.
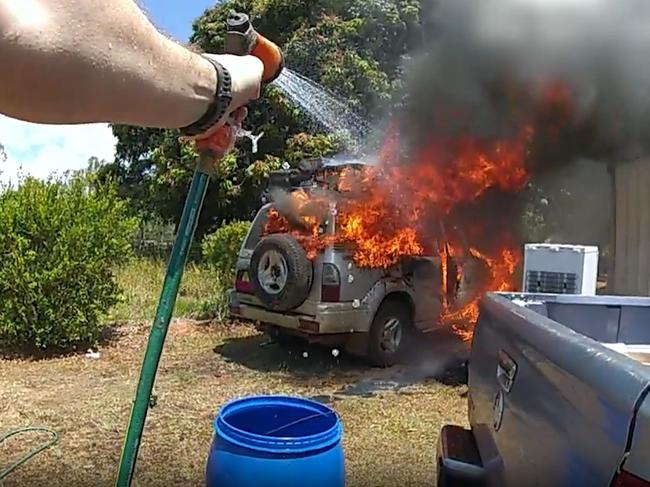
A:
(281, 273)
(389, 333)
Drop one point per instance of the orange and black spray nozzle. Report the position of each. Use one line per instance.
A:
(242, 39)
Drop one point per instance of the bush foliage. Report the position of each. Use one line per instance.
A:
(220, 248)
(60, 242)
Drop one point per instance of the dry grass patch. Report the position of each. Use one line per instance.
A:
(390, 436)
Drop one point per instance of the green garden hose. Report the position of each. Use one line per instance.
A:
(54, 437)
(180, 251)
(241, 39)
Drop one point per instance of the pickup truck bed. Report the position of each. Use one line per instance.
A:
(551, 400)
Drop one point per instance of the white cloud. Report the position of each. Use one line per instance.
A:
(42, 150)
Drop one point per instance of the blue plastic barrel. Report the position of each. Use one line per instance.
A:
(276, 441)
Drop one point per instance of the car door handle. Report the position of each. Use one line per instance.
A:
(506, 371)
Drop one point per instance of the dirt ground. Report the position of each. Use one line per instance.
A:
(391, 417)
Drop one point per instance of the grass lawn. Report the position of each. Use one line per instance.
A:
(391, 417)
(141, 280)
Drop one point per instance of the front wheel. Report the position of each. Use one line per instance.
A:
(389, 333)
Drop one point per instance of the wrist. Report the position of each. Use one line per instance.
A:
(201, 91)
(217, 110)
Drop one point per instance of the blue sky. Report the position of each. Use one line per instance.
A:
(175, 17)
(40, 150)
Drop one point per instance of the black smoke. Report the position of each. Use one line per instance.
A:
(489, 65)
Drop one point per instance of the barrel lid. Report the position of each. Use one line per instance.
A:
(273, 441)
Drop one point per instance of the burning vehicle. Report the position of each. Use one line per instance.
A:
(366, 254)
(332, 257)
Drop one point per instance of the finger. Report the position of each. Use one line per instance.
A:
(239, 115)
(219, 142)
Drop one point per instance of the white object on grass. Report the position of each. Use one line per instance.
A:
(91, 354)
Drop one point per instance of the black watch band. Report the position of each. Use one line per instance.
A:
(218, 107)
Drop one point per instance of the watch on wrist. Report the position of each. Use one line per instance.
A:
(219, 105)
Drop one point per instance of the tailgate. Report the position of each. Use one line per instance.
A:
(548, 406)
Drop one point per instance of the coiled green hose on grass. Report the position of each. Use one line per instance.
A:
(54, 437)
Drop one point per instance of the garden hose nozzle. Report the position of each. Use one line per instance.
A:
(242, 39)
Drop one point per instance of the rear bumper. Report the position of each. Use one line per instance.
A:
(330, 318)
(458, 459)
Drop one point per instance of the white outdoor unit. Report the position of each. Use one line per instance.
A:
(560, 269)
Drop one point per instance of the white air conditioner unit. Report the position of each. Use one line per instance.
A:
(560, 269)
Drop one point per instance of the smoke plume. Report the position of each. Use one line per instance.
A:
(577, 71)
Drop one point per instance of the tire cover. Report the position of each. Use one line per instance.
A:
(281, 274)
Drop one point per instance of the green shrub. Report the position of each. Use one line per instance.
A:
(220, 248)
(59, 243)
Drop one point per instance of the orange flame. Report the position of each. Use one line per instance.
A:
(397, 209)
(501, 269)
(382, 214)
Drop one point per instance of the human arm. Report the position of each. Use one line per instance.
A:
(81, 61)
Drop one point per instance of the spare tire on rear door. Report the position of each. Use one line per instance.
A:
(281, 273)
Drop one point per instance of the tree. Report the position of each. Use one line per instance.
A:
(353, 47)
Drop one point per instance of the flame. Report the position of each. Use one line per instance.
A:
(382, 213)
(276, 223)
(419, 206)
(444, 181)
(501, 269)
